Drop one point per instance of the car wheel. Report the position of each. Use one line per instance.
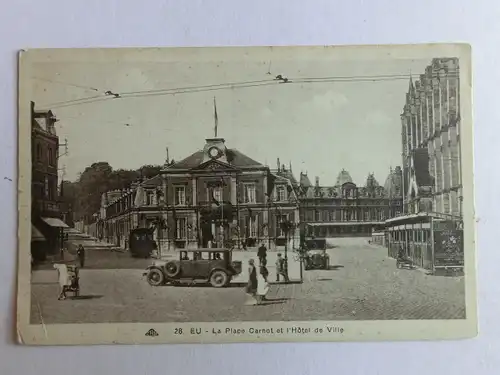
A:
(155, 277)
(219, 278)
(172, 269)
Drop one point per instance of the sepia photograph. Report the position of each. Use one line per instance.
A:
(246, 194)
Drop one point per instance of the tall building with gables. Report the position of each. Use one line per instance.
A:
(430, 123)
(348, 210)
(46, 215)
(215, 195)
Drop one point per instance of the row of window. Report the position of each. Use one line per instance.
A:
(50, 155)
(331, 231)
(46, 190)
(347, 215)
(411, 236)
(215, 193)
(183, 229)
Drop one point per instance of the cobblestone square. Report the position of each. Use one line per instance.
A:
(362, 284)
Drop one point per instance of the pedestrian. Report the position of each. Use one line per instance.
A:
(262, 284)
(281, 268)
(262, 254)
(63, 278)
(81, 255)
(252, 285)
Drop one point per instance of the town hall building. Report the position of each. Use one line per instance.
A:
(213, 197)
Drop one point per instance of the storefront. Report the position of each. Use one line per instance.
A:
(432, 241)
(379, 238)
(38, 245)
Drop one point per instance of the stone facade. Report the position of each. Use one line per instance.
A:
(431, 140)
(346, 210)
(213, 197)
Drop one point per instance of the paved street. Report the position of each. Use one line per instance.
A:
(104, 260)
(362, 284)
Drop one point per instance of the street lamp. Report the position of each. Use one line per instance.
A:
(287, 226)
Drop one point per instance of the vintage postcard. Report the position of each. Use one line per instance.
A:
(257, 194)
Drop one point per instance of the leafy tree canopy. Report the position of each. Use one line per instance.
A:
(84, 195)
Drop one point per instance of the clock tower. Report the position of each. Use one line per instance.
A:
(215, 149)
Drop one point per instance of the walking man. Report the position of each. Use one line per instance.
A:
(81, 255)
(262, 254)
(252, 284)
(281, 269)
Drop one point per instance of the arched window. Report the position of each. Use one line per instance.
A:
(50, 156)
(38, 151)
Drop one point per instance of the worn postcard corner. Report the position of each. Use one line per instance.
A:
(260, 194)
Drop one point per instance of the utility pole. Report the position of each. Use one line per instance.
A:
(65, 145)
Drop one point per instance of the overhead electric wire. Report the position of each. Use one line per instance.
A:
(67, 84)
(231, 86)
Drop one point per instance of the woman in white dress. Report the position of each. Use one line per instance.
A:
(63, 278)
(262, 285)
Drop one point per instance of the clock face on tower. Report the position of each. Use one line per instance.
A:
(214, 152)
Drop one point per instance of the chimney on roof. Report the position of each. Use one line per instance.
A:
(317, 181)
(283, 169)
(278, 163)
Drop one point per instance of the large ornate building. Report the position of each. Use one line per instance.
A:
(213, 196)
(348, 210)
(430, 123)
(431, 140)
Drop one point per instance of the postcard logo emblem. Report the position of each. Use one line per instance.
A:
(152, 333)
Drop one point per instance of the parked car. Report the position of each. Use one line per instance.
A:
(210, 265)
(315, 255)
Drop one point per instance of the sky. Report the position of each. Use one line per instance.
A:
(320, 128)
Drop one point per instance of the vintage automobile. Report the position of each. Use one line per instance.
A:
(213, 265)
(315, 255)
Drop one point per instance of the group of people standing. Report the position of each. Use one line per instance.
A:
(258, 283)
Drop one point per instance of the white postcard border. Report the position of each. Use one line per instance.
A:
(135, 333)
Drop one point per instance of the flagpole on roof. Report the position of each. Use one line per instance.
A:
(216, 119)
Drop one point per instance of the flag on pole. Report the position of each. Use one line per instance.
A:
(216, 119)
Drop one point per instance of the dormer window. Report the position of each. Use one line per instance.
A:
(280, 193)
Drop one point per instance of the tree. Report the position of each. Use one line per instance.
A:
(94, 181)
(85, 194)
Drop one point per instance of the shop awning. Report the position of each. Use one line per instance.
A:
(55, 222)
(36, 235)
(345, 223)
(409, 217)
